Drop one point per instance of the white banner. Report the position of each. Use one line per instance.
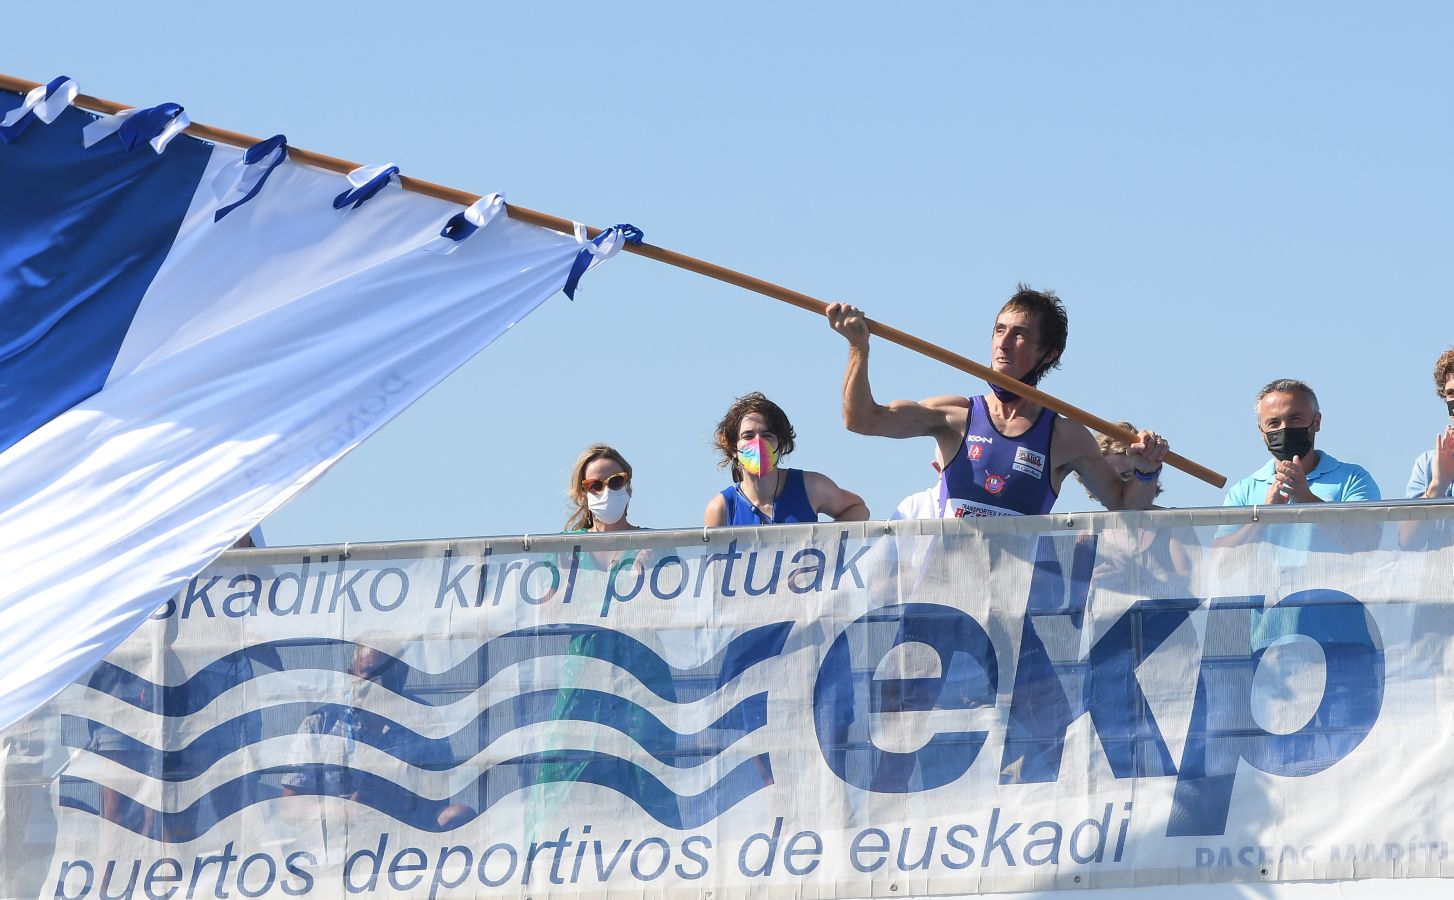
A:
(1109, 701)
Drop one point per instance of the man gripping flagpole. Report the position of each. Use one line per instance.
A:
(194, 331)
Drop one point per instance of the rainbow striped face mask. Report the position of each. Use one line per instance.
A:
(757, 457)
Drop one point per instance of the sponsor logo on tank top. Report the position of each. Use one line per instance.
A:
(968, 509)
(978, 439)
(1029, 462)
(994, 483)
(976, 451)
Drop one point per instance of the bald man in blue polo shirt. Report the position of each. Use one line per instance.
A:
(1289, 419)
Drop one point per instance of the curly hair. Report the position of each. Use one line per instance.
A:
(731, 426)
(1110, 446)
(1442, 370)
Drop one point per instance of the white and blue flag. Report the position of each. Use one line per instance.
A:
(191, 333)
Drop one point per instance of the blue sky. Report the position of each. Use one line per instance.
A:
(1222, 194)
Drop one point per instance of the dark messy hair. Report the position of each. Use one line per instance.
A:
(731, 426)
(1051, 322)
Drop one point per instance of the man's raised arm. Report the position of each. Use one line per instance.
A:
(898, 419)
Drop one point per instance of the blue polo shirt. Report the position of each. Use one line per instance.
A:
(1421, 476)
(1331, 481)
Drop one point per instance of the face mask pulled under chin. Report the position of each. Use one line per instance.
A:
(609, 506)
(1032, 379)
(1285, 443)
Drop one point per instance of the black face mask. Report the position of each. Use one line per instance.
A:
(1451, 408)
(1285, 443)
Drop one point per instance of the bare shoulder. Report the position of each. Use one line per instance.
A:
(950, 413)
(946, 402)
(816, 480)
(716, 512)
(1072, 443)
(827, 497)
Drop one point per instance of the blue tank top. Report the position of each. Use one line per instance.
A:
(994, 475)
(792, 504)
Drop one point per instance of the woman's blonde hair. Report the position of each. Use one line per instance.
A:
(1110, 445)
(580, 516)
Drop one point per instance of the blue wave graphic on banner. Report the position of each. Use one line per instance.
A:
(437, 689)
(433, 754)
(670, 809)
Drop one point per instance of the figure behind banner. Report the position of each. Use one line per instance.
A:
(325, 763)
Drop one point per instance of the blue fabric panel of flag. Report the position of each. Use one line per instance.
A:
(82, 233)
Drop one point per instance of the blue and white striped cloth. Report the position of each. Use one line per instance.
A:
(168, 379)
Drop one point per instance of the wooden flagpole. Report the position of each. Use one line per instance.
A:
(681, 261)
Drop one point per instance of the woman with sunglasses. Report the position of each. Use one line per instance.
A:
(753, 437)
(600, 489)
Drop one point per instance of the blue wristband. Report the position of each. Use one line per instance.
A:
(1147, 476)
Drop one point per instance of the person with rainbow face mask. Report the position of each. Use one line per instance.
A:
(753, 437)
